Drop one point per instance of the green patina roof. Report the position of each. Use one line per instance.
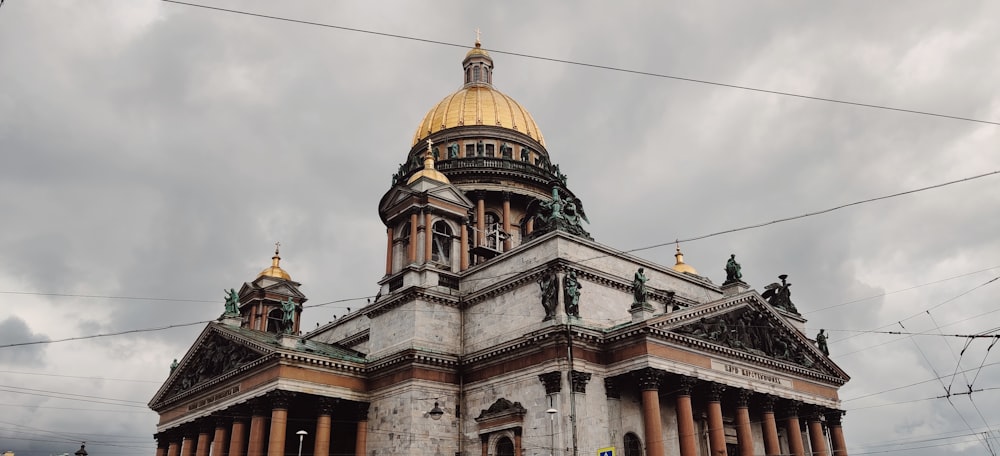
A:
(303, 346)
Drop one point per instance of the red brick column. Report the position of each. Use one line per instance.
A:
(649, 384)
(412, 253)
(258, 421)
(204, 431)
(716, 433)
(685, 419)
(238, 436)
(388, 252)
(744, 435)
(187, 446)
(323, 426)
(173, 448)
(770, 428)
(795, 446)
(219, 440)
(279, 423)
(361, 439)
(833, 418)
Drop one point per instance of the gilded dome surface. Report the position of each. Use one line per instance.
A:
(478, 105)
(274, 270)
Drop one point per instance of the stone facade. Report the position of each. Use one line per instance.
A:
(473, 345)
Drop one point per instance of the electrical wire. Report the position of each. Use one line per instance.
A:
(589, 65)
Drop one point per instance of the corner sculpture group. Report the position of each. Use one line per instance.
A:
(746, 329)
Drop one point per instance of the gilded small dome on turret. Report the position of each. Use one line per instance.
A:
(681, 266)
(428, 172)
(275, 270)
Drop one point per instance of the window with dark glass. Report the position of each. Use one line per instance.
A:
(489, 151)
(504, 447)
(475, 73)
(274, 320)
(633, 446)
(470, 150)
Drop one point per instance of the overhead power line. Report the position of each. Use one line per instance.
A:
(161, 328)
(588, 65)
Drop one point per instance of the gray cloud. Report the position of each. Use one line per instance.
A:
(156, 150)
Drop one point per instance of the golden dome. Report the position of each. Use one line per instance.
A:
(274, 270)
(681, 266)
(428, 171)
(478, 105)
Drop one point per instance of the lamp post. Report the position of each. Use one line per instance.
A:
(552, 430)
(301, 435)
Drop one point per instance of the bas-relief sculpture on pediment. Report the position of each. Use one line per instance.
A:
(215, 356)
(752, 330)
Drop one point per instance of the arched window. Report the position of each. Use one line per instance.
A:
(633, 446)
(441, 242)
(504, 447)
(274, 321)
(475, 73)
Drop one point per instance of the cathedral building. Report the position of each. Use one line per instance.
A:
(502, 328)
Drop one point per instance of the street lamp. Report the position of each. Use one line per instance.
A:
(301, 435)
(436, 413)
(552, 429)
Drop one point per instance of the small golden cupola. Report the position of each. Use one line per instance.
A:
(275, 270)
(429, 172)
(681, 266)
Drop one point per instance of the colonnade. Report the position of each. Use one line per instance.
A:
(655, 385)
(259, 428)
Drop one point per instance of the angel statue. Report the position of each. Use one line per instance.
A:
(780, 295)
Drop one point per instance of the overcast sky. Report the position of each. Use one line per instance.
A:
(154, 150)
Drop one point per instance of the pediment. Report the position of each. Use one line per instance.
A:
(215, 353)
(395, 196)
(754, 327)
(450, 194)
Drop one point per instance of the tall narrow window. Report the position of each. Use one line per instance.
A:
(504, 447)
(470, 150)
(441, 243)
(475, 73)
(490, 151)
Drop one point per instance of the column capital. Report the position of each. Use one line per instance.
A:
(715, 391)
(506, 196)
(280, 399)
(767, 403)
(685, 385)
(579, 381)
(361, 410)
(649, 379)
(743, 397)
(833, 417)
(221, 421)
(791, 408)
(552, 382)
(325, 405)
(611, 388)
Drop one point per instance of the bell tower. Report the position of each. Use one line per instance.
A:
(425, 221)
(272, 302)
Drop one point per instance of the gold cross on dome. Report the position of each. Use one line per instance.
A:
(277, 245)
(477, 35)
